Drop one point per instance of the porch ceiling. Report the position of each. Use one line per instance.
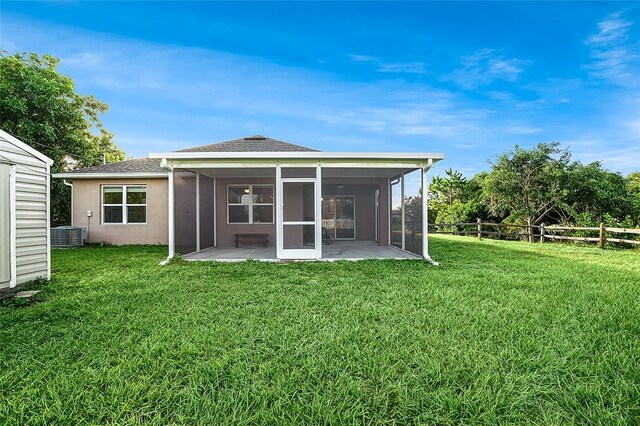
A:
(327, 172)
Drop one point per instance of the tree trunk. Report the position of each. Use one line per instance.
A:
(530, 229)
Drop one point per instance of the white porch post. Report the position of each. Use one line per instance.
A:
(402, 225)
(171, 216)
(197, 211)
(425, 213)
(389, 209)
(318, 212)
(279, 236)
(215, 214)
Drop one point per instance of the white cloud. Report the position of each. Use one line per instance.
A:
(611, 30)
(625, 160)
(363, 58)
(391, 67)
(616, 56)
(410, 67)
(523, 130)
(484, 67)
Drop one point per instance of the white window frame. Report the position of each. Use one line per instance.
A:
(123, 204)
(251, 203)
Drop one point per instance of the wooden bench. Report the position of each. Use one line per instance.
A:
(261, 239)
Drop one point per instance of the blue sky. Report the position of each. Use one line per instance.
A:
(467, 79)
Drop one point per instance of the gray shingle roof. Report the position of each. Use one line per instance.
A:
(255, 143)
(136, 165)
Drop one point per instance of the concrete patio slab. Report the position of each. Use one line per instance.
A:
(339, 250)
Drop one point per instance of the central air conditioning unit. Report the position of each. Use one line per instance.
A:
(68, 236)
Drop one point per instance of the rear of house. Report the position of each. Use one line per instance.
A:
(259, 197)
(120, 203)
(24, 213)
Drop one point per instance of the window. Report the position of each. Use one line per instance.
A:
(250, 204)
(124, 204)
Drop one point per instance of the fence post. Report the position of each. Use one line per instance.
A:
(602, 238)
(479, 228)
(542, 232)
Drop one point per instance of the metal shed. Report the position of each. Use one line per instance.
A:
(25, 250)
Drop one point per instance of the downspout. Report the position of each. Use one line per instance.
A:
(70, 185)
(171, 211)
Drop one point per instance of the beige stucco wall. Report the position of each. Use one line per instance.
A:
(86, 196)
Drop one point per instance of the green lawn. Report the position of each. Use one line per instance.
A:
(503, 332)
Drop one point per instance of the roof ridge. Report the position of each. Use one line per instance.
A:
(256, 143)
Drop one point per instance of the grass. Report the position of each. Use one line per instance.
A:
(504, 332)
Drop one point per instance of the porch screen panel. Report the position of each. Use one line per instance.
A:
(413, 212)
(396, 213)
(206, 211)
(185, 212)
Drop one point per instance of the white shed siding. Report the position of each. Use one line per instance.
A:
(32, 251)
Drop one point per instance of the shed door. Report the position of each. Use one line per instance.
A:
(5, 225)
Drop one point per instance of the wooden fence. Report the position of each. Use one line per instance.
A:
(540, 232)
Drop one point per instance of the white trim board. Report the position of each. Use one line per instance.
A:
(17, 142)
(12, 226)
(109, 175)
(301, 155)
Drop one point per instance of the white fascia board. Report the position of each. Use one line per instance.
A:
(17, 142)
(248, 164)
(304, 155)
(108, 175)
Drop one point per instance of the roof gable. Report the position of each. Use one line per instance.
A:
(257, 143)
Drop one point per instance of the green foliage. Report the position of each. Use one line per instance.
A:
(528, 184)
(538, 185)
(633, 188)
(453, 198)
(39, 106)
(495, 336)
(459, 212)
(594, 193)
(447, 189)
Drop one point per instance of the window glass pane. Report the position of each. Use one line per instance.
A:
(263, 214)
(112, 195)
(239, 194)
(262, 194)
(112, 214)
(345, 219)
(136, 214)
(136, 195)
(238, 214)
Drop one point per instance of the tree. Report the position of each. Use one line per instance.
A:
(528, 184)
(448, 188)
(633, 188)
(454, 199)
(39, 106)
(593, 193)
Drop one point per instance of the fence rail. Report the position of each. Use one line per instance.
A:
(540, 232)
